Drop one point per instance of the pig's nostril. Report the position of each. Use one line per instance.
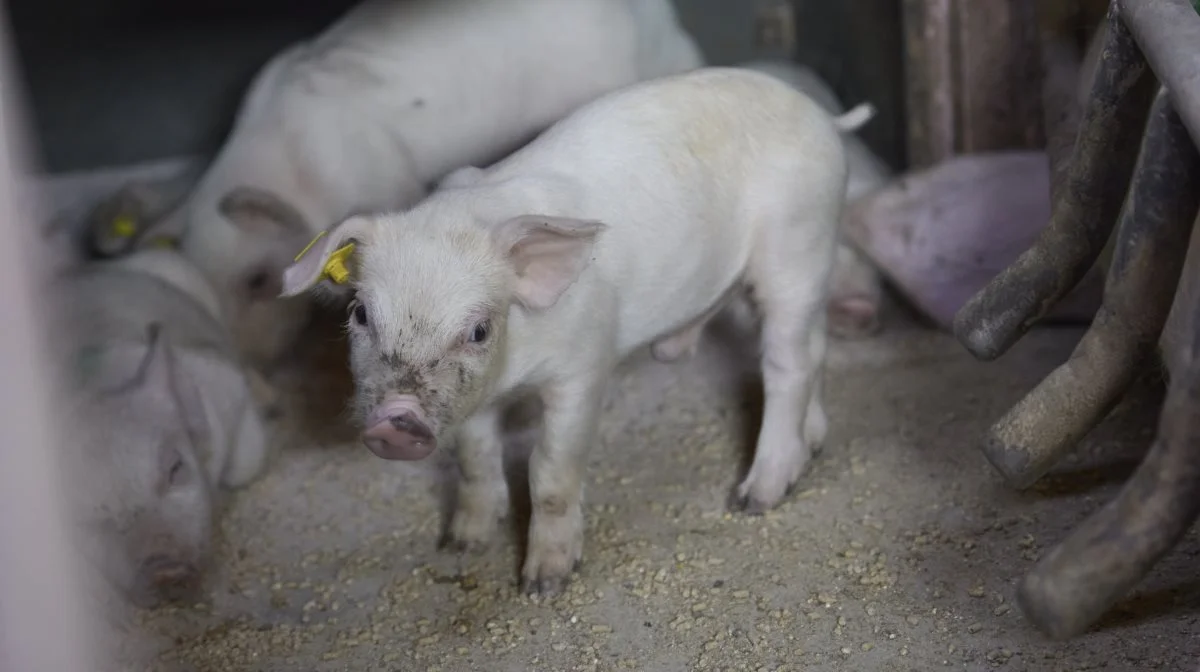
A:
(407, 423)
(399, 435)
(169, 575)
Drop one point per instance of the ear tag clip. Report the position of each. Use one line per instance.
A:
(164, 242)
(335, 268)
(123, 226)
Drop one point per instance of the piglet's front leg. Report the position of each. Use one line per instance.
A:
(572, 411)
(482, 490)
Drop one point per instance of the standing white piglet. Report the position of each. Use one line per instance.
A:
(626, 225)
(366, 116)
(158, 414)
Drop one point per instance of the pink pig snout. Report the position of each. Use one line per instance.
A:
(398, 430)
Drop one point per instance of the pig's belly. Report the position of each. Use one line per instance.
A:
(671, 289)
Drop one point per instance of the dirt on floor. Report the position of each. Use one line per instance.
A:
(900, 550)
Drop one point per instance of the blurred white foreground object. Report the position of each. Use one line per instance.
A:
(44, 624)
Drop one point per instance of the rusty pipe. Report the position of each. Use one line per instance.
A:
(1081, 578)
(1084, 213)
(1148, 258)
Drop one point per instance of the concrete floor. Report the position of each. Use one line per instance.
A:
(900, 551)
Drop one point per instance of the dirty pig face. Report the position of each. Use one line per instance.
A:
(425, 343)
(429, 320)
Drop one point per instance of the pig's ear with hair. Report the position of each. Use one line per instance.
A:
(547, 254)
(262, 212)
(160, 373)
(315, 263)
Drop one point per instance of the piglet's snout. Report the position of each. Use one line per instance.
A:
(399, 430)
(169, 578)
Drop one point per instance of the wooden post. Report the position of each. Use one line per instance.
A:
(973, 76)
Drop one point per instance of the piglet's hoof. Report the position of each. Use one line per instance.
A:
(745, 504)
(752, 507)
(548, 584)
(449, 544)
(452, 544)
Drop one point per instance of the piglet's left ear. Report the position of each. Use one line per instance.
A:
(547, 254)
(327, 256)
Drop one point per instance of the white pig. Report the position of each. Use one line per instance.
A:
(856, 289)
(366, 116)
(626, 225)
(158, 415)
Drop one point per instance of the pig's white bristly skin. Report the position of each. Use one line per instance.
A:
(696, 193)
(856, 289)
(866, 171)
(388, 100)
(144, 486)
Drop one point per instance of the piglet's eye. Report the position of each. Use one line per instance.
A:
(480, 333)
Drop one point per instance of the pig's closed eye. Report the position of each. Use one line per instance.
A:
(359, 311)
(175, 474)
(480, 333)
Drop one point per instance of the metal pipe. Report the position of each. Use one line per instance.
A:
(1167, 31)
(1081, 578)
(1152, 240)
(1083, 215)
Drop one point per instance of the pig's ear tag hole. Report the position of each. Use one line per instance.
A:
(335, 267)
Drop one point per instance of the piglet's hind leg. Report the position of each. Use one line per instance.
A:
(790, 275)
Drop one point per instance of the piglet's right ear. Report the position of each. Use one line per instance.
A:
(327, 257)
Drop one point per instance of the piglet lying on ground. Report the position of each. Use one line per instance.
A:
(158, 414)
(627, 225)
(385, 102)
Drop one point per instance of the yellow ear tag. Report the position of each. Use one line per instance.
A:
(336, 269)
(123, 226)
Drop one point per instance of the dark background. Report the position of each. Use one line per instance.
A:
(113, 82)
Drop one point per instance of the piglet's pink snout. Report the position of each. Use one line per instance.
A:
(398, 430)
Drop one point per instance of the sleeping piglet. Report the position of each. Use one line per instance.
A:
(384, 103)
(627, 225)
(158, 416)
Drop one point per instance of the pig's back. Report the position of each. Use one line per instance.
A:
(456, 82)
(96, 306)
(679, 170)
